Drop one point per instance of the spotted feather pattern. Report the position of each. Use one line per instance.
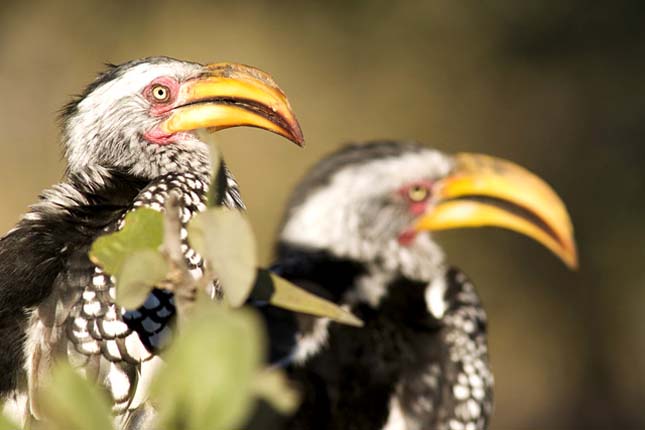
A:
(453, 390)
(110, 342)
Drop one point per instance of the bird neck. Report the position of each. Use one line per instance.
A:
(95, 152)
(422, 262)
(383, 279)
(104, 185)
(347, 280)
(102, 182)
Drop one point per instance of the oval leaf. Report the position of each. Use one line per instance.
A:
(140, 272)
(225, 240)
(208, 380)
(143, 229)
(281, 293)
(70, 402)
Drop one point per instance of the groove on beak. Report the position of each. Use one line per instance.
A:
(487, 191)
(233, 95)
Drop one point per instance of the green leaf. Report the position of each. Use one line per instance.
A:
(225, 240)
(132, 256)
(7, 424)
(208, 380)
(279, 292)
(143, 230)
(69, 402)
(272, 386)
(139, 274)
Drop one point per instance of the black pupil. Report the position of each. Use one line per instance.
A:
(161, 92)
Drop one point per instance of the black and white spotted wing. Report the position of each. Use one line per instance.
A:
(109, 342)
(453, 390)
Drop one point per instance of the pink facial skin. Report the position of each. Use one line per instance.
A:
(158, 137)
(416, 208)
(160, 108)
(407, 237)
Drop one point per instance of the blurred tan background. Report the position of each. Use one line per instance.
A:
(555, 85)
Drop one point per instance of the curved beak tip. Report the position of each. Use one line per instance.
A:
(297, 136)
(571, 259)
(485, 191)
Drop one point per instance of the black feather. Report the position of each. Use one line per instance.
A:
(40, 248)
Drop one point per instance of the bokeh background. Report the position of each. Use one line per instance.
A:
(555, 85)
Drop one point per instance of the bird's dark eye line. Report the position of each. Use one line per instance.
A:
(246, 104)
(514, 209)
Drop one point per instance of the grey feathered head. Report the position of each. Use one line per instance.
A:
(378, 202)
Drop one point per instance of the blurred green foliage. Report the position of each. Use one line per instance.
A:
(70, 402)
(7, 424)
(142, 230)
(214, 368)
(132, 256)
(225, 239)
(212, 375)
(211, 372)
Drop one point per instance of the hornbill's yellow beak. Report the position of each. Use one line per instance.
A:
(231, 95)
(486, 191)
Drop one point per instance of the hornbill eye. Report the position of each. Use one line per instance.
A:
(160, 93)
(418, 193)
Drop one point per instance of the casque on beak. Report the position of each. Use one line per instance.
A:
(487, 191)
(232, 95)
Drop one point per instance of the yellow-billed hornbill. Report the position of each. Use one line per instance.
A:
(129, 140)
(356, 230)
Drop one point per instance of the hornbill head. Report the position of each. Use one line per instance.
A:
(140, 117)
(376, 203)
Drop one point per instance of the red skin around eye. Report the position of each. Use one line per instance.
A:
(160, 108)
(157, 107)
(416, 209)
